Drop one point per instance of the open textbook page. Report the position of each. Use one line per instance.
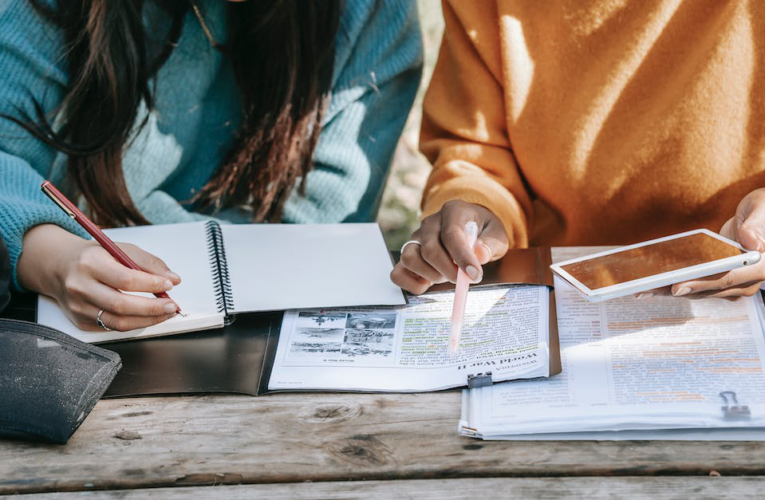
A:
(405, 349)
(628, 364)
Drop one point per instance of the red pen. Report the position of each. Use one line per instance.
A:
(80, 218)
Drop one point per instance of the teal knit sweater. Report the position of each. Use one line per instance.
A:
(377, 69)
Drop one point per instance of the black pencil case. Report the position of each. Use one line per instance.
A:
(49, 381)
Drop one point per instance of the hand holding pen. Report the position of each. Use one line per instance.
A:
(87, 281)
(441, 242)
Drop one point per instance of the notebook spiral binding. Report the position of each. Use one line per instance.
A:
(223, 294)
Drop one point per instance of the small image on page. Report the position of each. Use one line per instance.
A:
(405, 349)
(351, 337)
(308, 343)
(308, 319)
(370, 345)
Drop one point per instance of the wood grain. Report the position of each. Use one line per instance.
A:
(290, 438)
(593, 488)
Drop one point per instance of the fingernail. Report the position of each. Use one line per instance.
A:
(473, 273)
(172, 276)
(488, 250)
(170, 308)
(168, 285)
(644, 295)
(682, 291)
(760, 244)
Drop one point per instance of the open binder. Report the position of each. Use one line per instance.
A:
(240, 358)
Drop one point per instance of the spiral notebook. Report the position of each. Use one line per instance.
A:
(230, 269)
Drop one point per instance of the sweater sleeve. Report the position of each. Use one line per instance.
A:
(32, 71)
(464, 130)
(378, 64)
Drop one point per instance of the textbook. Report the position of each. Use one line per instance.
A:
(510, 332)
(227, 269)
(658, 368)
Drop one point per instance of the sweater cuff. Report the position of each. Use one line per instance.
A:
(490, 195)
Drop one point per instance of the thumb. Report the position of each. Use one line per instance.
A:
(727, 230)
(492, 243)
(749, 222)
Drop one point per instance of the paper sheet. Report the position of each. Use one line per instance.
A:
(629, 365)
(405, 349)
(288, 266)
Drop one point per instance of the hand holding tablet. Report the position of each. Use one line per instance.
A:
(653, 264)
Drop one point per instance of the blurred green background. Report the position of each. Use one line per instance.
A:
(400, 211)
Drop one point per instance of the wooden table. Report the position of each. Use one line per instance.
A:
(350, 446)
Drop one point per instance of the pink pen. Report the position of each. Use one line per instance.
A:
(460, 294)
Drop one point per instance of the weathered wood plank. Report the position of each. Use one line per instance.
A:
(656, 488)
(193, 441)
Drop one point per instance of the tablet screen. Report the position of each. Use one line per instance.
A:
(650, 260)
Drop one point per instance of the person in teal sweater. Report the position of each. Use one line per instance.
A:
(165, 111)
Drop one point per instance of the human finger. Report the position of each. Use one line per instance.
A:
(408, 280)
(412, 260)
(656, 292)
(748, 225)
(149, 262)
(491, 244)
(745, 290)
(431, 249)
(84, 316)
(125, 304)
(731, 279)
(112, 273)
(455, 215)
(493, 238)
(728, 229)
(127, 323)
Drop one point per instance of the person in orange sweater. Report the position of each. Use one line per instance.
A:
(603, 122)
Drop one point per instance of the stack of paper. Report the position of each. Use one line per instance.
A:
(659, 368)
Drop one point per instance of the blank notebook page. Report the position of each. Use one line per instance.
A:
(283, 266)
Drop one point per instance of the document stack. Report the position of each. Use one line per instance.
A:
(657, 368)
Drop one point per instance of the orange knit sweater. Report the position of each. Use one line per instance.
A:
(584, 122)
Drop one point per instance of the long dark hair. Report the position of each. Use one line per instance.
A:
(282, 53)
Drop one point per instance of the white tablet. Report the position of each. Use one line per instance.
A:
(653, 264)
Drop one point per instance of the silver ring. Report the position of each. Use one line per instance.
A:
(410, 242)
(100, 322)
